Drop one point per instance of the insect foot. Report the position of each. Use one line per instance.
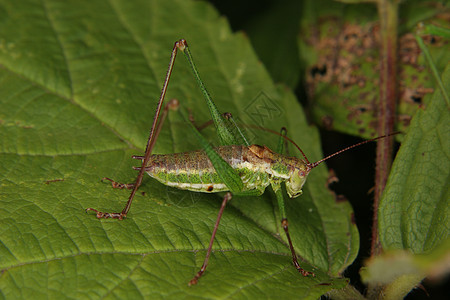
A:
(194, 280)
(304, 272)
(118, 185)
(103, 215)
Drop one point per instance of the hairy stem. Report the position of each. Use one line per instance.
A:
(387, 10)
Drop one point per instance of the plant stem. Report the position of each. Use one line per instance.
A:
(387, 10)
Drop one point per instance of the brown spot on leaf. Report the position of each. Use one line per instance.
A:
(53, 180)
(356, 111)
(318, 70)
(332, 178)
(327, 122)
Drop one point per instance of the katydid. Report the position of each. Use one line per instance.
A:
(235, 167)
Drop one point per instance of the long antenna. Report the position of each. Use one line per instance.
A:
(315, 164)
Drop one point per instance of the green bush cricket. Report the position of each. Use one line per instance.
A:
(236, 167)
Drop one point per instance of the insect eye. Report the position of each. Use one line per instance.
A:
(301, 173)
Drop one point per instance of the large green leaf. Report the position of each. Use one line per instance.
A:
(414, 211)
(78, 88)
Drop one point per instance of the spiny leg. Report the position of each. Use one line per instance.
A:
(284, 223)
(282, 147)
(199, 127)
(154, 131)
(199, 274)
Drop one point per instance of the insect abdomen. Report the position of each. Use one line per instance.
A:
(191, 170)
(194, 171)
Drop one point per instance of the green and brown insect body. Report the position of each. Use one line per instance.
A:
(257, 166)
(241, 170)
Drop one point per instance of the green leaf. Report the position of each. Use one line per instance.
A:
(414, 210)
(339, 44)
(273, 34)
(387, 267)
(433, 68)
(436, 30)
(400, 270)
(78, 89)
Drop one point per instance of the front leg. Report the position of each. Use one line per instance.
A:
(284, 223)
